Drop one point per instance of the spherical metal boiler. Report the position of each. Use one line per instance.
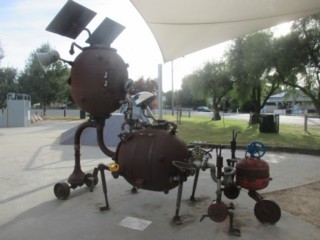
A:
(252, 173)
(99, 80)
(145, 159)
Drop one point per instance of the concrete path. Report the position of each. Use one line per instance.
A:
(32, 161)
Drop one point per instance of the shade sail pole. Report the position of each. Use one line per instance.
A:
(172, 98)
(160, 91)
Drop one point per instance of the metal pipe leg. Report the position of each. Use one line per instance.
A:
(195, 183)
(104, 187)
(233, 231)
(176, 218)
(94, 176)
(255, 195)
(77, 176)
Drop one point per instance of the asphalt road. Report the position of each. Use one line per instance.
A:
(284, 119)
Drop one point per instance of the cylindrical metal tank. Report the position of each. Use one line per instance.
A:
(99, 79)
(145, 159)
(252, 173)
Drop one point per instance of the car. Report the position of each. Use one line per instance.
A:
(203, 109)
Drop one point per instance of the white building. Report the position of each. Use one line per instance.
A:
(289, 103)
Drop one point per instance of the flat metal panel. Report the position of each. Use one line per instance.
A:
(71, 20)
(106, 32)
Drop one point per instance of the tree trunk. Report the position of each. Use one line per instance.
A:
(44, 109)
(254, 118)
(216, 114)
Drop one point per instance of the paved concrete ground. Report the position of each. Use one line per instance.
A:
(32, 161)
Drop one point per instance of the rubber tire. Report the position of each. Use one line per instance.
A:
(61, 190)
(267, 211)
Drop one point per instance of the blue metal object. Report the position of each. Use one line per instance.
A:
(256, 150)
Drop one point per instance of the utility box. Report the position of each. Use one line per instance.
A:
(17, 113)
(269, 123)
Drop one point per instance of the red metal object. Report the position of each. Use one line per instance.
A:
(218, 211)
(99, 80)
(252, 173)
(145, 159)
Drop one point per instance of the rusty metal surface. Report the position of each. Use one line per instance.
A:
(146, 157)
(98, 80)
(218, 211)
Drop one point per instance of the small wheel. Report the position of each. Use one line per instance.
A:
(267, 211)
(61, 190)
(88, 180)
(231, 192)
(218, 211)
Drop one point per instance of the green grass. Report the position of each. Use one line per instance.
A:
(61, 118)
(199, 128)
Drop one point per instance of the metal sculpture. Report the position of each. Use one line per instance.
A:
(149, 156)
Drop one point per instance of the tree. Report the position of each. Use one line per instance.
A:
(185, 96)
(168, 99)
(298, 58)
(47, 86)
(1, 53)
(251, 61)
(148, 85)
(190, 95)
(213, 81)
(8, 83)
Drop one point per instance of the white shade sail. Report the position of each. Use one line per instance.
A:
(182, 27)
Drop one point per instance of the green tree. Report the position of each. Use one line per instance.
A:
(182, 97)
(45, 87)
(8, 83)
(168, 99)
(1, 53)
(251, 61)
(213, 81)
(298, 58)
(191, 97)
(185, 97)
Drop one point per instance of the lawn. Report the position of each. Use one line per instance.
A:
(200, 128)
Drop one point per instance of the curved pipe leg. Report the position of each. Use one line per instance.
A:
(77, 177)
(100, 125)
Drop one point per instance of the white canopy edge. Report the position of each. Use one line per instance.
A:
(182, 27)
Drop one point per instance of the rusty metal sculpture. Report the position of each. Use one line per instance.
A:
(150, 156)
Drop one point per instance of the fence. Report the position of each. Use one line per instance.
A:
(306, 117)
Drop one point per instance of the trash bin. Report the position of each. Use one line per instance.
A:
(82, 114)
(269, 123)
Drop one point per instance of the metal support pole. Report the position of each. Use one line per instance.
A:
(160, 91)
(176, 217)
(172, 98)
(306, 123)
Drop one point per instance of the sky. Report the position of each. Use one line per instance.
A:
(23, 24)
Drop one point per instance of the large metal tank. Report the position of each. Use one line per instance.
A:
(145, 159)
(99, 80)
(252, 173)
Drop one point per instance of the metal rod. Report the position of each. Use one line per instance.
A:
(178, 203)
(195, 183)
(104, 187)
